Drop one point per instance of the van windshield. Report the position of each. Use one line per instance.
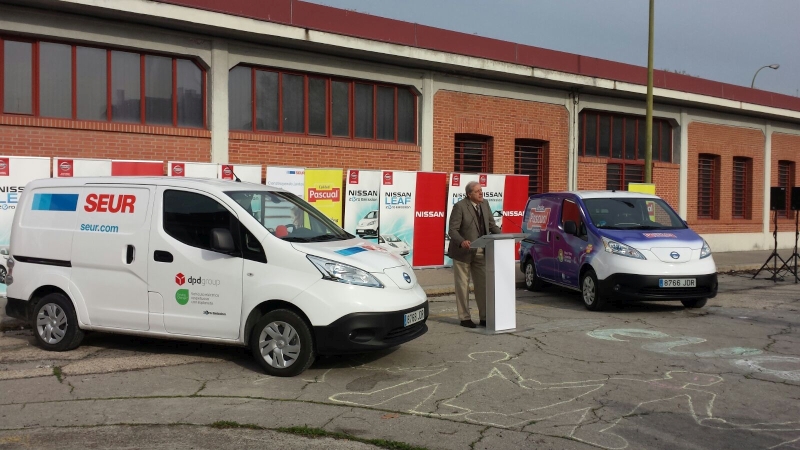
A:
(288, 217)
(632, 214)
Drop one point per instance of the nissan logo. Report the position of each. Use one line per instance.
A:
(177, 169)
(65, 166)
(227, 171)
(3, 165)
(407, 277)
(675, 255)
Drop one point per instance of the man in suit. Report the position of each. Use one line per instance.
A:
(470, 219)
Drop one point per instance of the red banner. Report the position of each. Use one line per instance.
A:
(515, 197)
(4, 167)
(137, 168)
(429, 219)
(65, 168)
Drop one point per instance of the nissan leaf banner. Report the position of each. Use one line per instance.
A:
(323, 190)
(15, 173)
(505, 194)
(411, 215)
(361, 203)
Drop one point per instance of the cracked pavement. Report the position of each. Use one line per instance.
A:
(650, 375)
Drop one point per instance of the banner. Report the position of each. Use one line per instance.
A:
(192, 169)
(121, 168)
(292, 179)
(396, 211)
(69, 167)
(361, 203)
(15, 173)
(323, 190)
(429, 219)
(515, 197)
(246, 173)
(455, 192)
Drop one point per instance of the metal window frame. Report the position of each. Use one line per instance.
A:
(711, 163)
(539, 149)
(741, 189)
(659, 124)
(464, 138)
(786, 179)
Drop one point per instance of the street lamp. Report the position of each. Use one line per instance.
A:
(771, 66)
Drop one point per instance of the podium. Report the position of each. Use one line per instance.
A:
(501, 311)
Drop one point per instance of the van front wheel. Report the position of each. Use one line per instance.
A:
(56, 324)
(590, 292)
(281, 342)
(532, 280)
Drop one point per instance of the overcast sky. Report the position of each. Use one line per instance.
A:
(722, 40)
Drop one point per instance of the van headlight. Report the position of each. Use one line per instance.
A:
(336, 271)
(621, 249)
(705, 251)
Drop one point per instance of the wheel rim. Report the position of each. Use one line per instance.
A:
(51, 323)
(529, 275)
(588, 290)
(279, 344)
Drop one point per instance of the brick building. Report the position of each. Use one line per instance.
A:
(285, 82)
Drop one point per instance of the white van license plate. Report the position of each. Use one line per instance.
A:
(677, 282)
(413, 317)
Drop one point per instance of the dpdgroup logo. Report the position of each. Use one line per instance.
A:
(180, 279)
(388, 178)
(353, 177)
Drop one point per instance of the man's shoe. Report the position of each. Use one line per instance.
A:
(483, 323)
(468, 323)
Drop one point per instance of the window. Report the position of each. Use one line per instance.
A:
(570, 211)
(707, 187)
(471, 154)
(621, 139)
(619, 175)
(60, 80)
(529, 160)
(190, 217)
(786, 180)
(315, 105)
(742, 188)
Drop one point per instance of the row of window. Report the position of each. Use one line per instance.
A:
(617, 136)
(283, 102)
(471, 155)
(47, 79)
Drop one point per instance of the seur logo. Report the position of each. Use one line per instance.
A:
(180, 279)
(113, 203)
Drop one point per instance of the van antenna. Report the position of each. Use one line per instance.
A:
(235, 178)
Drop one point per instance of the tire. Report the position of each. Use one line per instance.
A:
(696, 303)
(2, 275)
(55, 323)
(287, 343)
(532, 280)
(593, 299)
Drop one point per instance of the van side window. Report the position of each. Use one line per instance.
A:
(571, 211)
(189, 217)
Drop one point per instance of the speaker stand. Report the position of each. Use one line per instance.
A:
(791, 264)
(774, 257)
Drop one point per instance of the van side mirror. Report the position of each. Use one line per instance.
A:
(570, 227)
(222, 240)
(4, 251)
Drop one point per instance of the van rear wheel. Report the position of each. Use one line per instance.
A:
(56, 324)
(590, 292)
(281, 342)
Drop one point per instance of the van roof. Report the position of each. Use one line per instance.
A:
(604, 194)
(222, 185)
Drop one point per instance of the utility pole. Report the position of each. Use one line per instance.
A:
(648, 134)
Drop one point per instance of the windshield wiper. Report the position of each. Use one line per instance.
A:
(325, 237)
(295, 239)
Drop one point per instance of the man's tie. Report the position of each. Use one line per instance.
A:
(481, 225)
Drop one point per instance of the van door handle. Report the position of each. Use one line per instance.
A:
(130, 254)
(162, 256)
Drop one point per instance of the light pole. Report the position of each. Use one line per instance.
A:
(771, 66)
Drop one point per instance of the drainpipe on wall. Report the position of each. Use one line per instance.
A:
(572, 160)
(219, 101)
(683, 187)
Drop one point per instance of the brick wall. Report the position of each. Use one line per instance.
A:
(667, 178)
(591, 173)
(727, 142)
(785, 147)
(275, 150)
(503, 120)
(26, 136)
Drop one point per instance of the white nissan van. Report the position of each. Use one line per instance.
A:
(204, 260)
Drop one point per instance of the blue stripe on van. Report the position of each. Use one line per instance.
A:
(350, 251)
(55, 202)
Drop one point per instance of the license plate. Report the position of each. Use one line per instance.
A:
(677, 282)
(413, 317)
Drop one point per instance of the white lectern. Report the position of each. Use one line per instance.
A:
(501, 312)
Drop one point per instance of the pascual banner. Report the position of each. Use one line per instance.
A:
(292, 179)
(361, 203)
(323, 189)
(15, 173)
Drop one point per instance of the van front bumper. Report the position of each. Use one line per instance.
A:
(18, 309)
(368, 331)
(627, 287)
